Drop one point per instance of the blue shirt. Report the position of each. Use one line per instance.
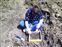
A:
(30, 18)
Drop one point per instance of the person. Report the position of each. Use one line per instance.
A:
(33, 20)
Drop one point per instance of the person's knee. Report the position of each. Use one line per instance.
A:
(33, 28)
(21, 23)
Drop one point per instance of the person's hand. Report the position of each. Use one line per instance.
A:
(29, 31)
(37, 30)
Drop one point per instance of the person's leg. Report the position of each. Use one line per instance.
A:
(33, 28)
(34, 25)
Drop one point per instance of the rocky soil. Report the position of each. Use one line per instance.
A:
(12, 11)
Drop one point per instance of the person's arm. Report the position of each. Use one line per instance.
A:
(27, 25)
(27, 19)
(41, 15)
(40, 23)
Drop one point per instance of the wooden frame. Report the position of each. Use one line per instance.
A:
(32, 37)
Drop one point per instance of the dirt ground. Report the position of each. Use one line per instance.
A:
(12, 11)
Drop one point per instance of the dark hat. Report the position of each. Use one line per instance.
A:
(35, 6)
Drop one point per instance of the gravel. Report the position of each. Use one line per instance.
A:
(12, 11)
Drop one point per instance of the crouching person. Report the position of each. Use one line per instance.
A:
(33, 20)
